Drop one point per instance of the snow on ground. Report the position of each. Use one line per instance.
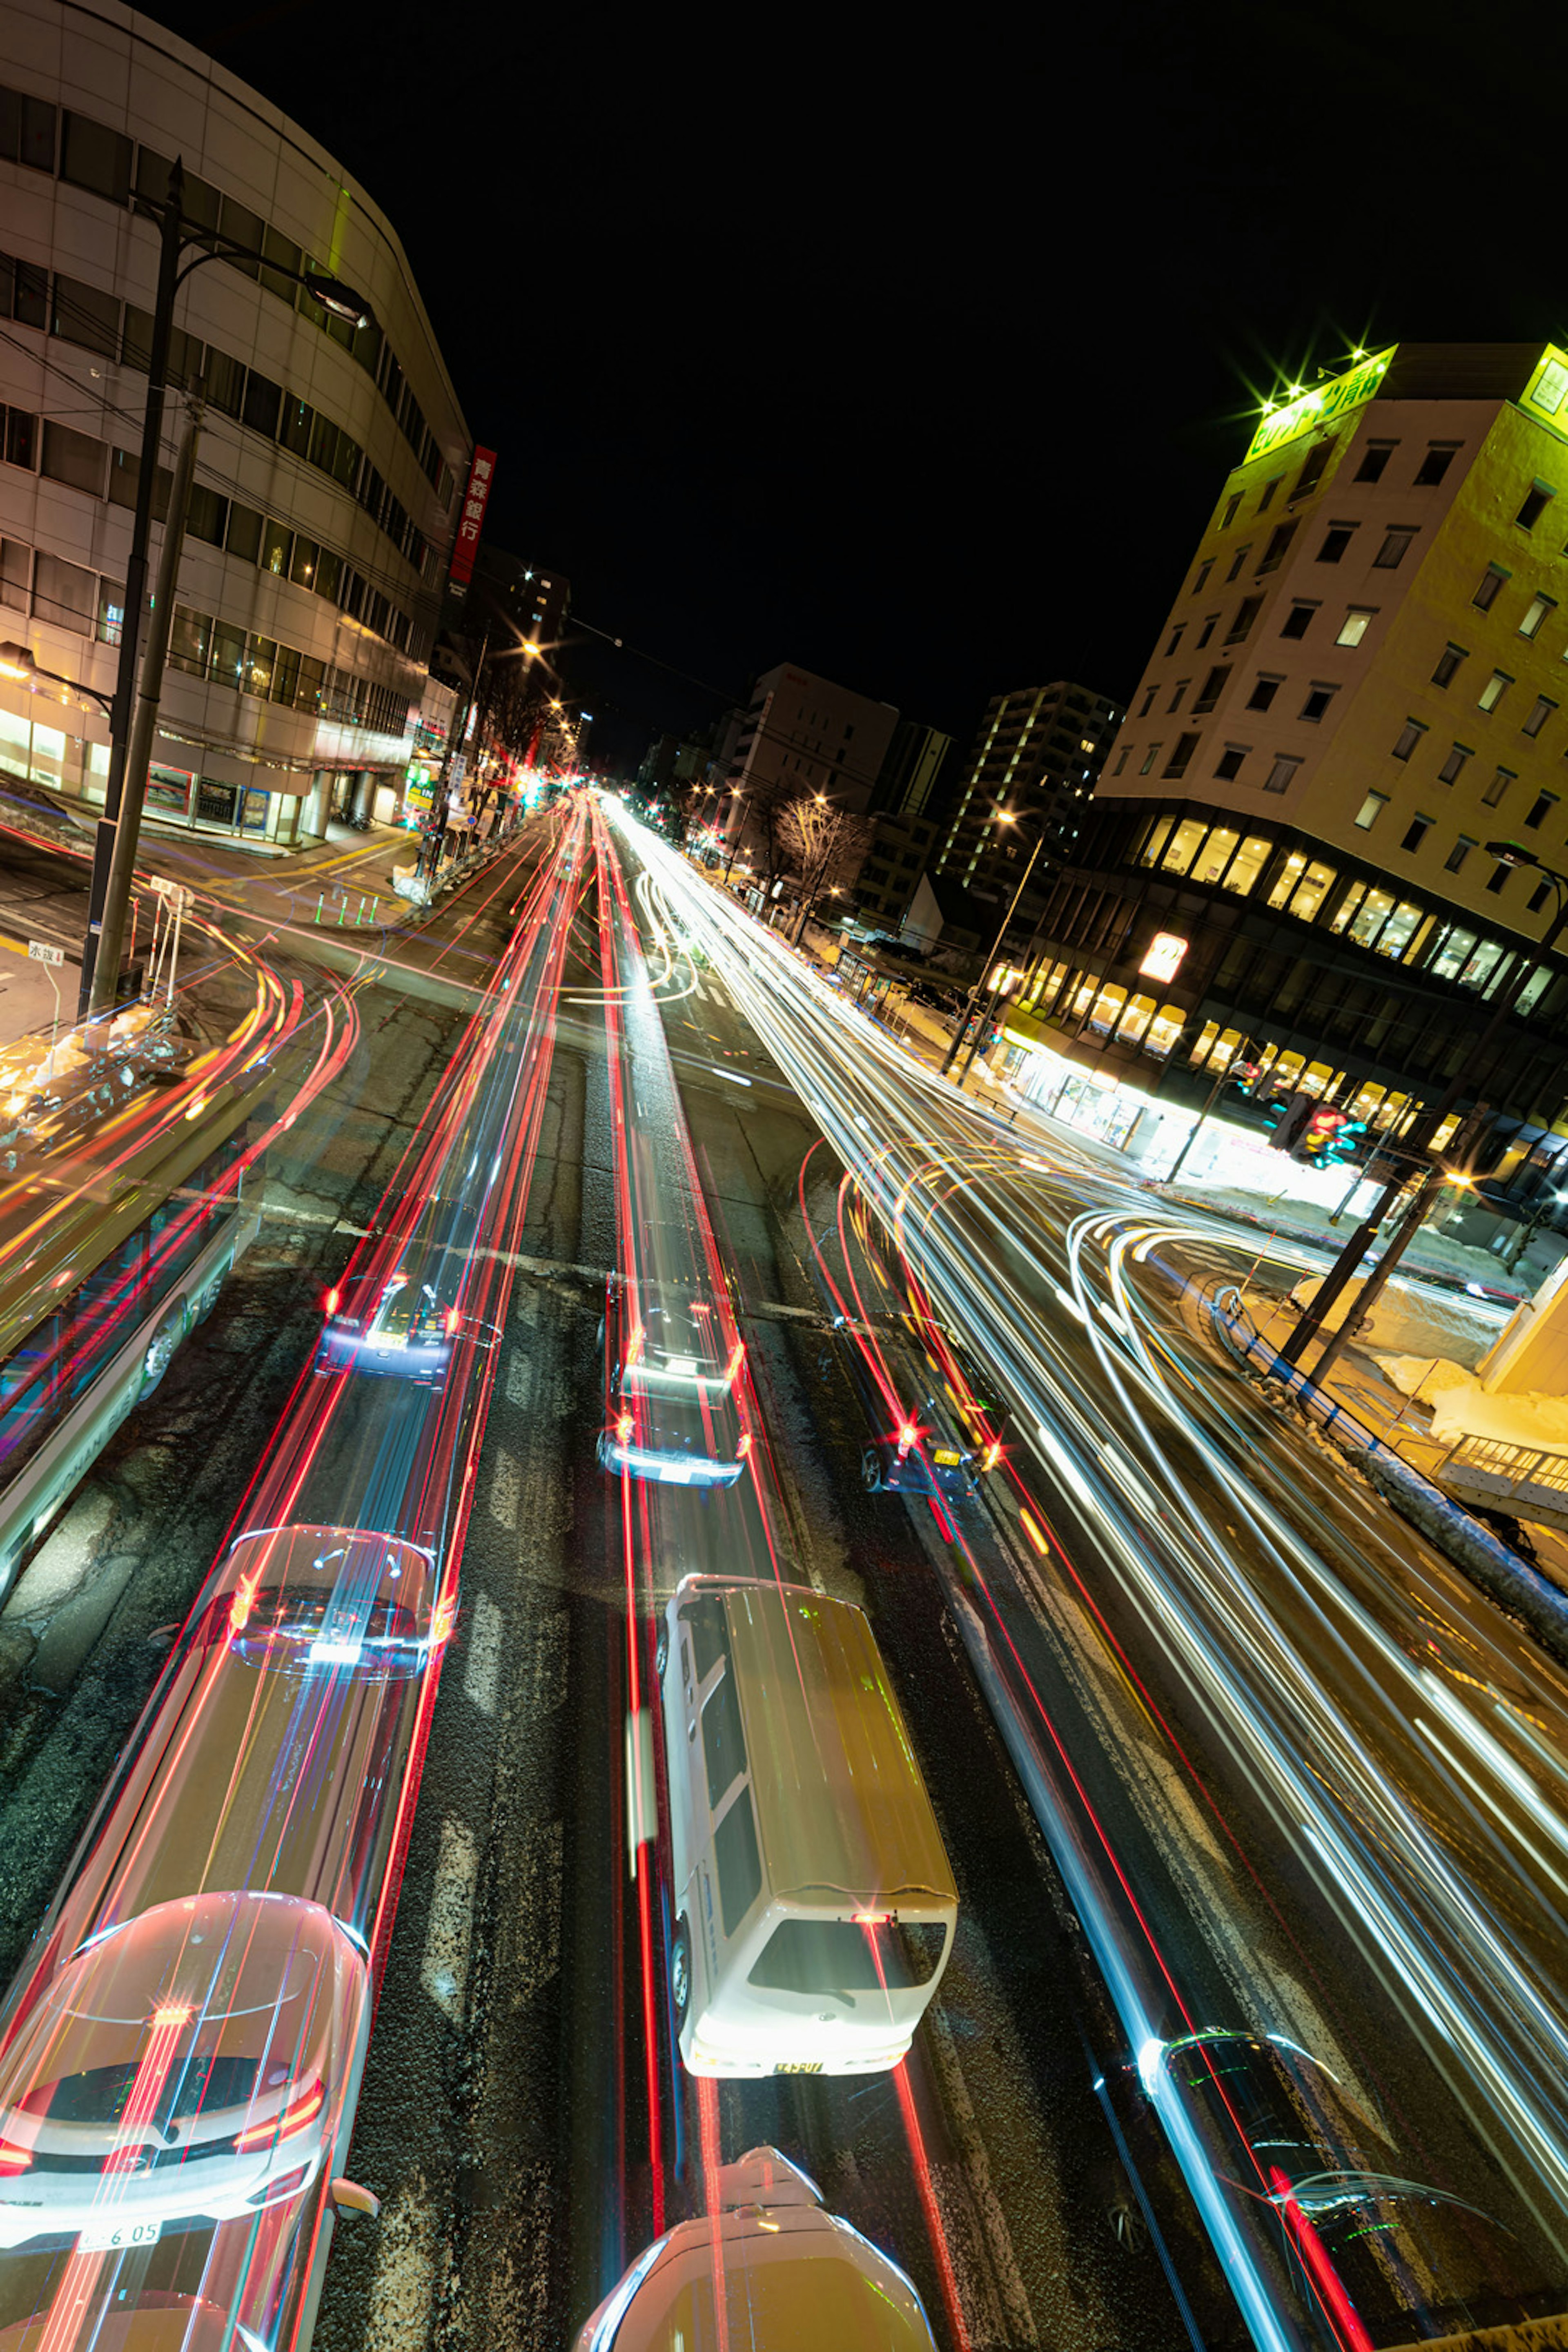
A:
(1412, 1320)
(1462, 1408)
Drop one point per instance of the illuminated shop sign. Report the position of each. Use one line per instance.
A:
(1163, 960)
(1548, 387)
(1323, 403)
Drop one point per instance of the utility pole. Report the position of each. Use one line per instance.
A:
(961, 1031)
(119, 709)
(1191, 1137)
(127, 831)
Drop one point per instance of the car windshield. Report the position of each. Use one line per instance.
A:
(850, 1956)
(298, 1627)
(99, 2095)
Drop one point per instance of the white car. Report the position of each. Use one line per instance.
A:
(188, 2065)
(794, 2276)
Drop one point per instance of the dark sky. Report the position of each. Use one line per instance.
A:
(909, 344)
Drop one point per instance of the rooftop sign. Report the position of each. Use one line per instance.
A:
(1324, 402)
(1548, 387)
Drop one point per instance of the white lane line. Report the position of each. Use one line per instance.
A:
(697, 985)
(505, 1489)
(642, 1810)
(449, 1934)
(403, 2291)
(481, 1667)
(518, 1378)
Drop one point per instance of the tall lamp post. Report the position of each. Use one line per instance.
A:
(1473, 1068)
(114, 848)
(1003, 816)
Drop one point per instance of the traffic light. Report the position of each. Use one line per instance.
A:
(1333, 1146)
(1287, 1115)
(1243, 1077)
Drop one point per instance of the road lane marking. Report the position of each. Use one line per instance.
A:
(403, 2290)
(449, 1936)
(506, 1488)
(518, 1378)
(481, 1668)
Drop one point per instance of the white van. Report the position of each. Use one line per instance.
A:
(814, 1904)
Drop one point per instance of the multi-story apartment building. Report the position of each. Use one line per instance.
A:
(1032, 769)
(1358, 687)
(801, 735)
(326, 482)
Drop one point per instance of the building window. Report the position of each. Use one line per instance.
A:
(1539, 896)
(1121, 761)
(1175, 638)
(83, 316)
(1183, 845)
(1248, 864)
(1246, 612)
(1415, 833)
(1182, 753)
(1486, 588)
(1391, 553)
(1448, 773)
(1149, 702)
(1355, 624)
(1264, 692)
(1440, 455)
(1540, 808)
(1496, 686)
(1319, 696)
(1202, 582)
(1298, 620)
(1150, 756)
(1493, 795)
(1457, 854)
(1539, 608)
(1449, 661)
(1270, 486)
(1498, 879)
(1229, 765)
(1537, 499)
(1336, 539)
(1213, 686)
(1232, 507)
(1179, 688)
(1374, 458)
(1282, 774)
(1274, 553)
(1236, 560)
(1544, 707)
(1207, 632)
(1311, 472)
(1410, 734)
(1370, 809)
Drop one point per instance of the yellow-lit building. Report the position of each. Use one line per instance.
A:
(1361, 681)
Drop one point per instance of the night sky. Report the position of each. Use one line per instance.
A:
(912, 345)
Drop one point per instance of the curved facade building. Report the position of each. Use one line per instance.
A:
(330, 462)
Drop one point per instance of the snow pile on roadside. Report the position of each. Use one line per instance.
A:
(1410, 1320)
(1462, 1408)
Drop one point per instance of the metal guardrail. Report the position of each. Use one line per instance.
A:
(1532, 1465)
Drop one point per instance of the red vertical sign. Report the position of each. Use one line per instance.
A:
(471, 522)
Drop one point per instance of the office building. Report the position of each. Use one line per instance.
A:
(912, 774)
(1359, 686)
(1024, 787)
(331, 456)
(800, 735)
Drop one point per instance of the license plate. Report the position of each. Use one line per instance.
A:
(114, 2237)
(799, 2066)
(676, 1475)
(947, 1461)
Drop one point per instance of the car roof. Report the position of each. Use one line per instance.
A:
(842, 1811)
(790, 2279)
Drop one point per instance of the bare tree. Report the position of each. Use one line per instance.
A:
(825, 844)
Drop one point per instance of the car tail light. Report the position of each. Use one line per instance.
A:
(990, 1458)
(623, 1427)
(908, 1436)
(736, 1354)
(294, 2119)
(332, 1301)
(871, 1918)
(452, 1320)
(745, 1445)
(14, 2158)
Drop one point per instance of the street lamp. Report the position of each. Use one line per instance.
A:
(114, 848)
(1475, 1063)
(1003, 816)
(15, 661)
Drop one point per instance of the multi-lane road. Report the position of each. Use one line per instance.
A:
(1253, 2029)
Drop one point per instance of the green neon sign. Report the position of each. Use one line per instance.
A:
(1318, 407)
